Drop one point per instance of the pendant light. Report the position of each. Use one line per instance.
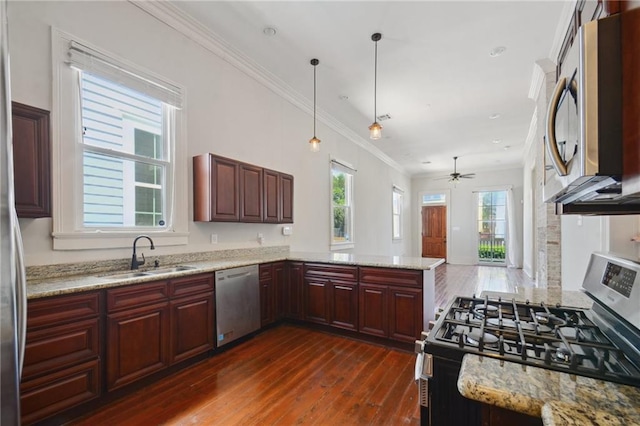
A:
(375, 130)
(314, 141)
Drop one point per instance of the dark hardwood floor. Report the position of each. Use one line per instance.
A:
(292, 375)
(286, 375)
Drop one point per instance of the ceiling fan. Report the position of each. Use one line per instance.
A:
(455, 176)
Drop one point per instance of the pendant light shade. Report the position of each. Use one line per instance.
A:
(314, 142)
(375, 130)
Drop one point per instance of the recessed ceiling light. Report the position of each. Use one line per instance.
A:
(343, 97)
(383, 117)
(506, 147)
(497, 51)
(496, 141)
(494, 116)
(426, 162)
(269, 31)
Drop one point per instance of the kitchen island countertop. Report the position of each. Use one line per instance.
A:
(561, 399)
(47, 280)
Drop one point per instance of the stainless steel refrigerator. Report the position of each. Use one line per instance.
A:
(12, 274)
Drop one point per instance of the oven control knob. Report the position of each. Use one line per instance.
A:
(419, 347)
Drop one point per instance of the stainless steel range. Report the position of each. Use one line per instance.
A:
(602, 342)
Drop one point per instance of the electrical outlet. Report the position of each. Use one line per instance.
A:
(214, 238)
(260, 238)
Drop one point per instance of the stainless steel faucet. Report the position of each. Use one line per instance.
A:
(134, 259)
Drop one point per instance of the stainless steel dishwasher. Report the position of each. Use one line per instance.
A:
(237, 303)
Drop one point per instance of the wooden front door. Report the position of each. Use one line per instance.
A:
(434, 231)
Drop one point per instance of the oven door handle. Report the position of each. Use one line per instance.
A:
(424, 367)
(550, 139)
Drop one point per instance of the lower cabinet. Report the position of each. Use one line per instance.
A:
(390, 303)
(292, 290)
(272, 278)
(62, 364)
(331, 295)
(153, 325)
(137, 343)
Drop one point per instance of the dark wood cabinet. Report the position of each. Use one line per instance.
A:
(292, 291)
(493, 415)
(62, 361)
(151, 326)
(227, 190)
(31, 160)
(390, 303)
(137, 343)
(331, 295)
(216, 189)
(286, 190)
(343, 304)
(267, 295)
(251, 193)
(374, 309)
(630, 29)
(272, 205)
(192, 316)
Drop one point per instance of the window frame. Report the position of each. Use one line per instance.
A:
(69, 232)
(397, 191)
(349, 203)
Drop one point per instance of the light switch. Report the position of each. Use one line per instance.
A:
(287, 230)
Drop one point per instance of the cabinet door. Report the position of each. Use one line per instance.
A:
(279, 279)
(293, 289)
(31, 158)
(286, 190)
(343, 305)
(266, 302)
(316, 306)
(405, 313)
(271, 196)
(137, 343)
(224, 189)
(250, 193)
(374, 309)
(191, 326)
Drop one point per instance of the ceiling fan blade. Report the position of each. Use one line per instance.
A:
(468, 175)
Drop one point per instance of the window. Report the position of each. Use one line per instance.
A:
(125, 162)
(116, 171)
(341, 206)
(434, 199)
(396, 213)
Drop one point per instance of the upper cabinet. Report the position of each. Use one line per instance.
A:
(226, 190)
(31, 161)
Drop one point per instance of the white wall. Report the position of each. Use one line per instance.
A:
(227, 113)
(462, 227)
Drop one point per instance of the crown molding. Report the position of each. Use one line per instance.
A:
(172, 16)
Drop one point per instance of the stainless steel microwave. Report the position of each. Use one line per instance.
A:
(583, 155)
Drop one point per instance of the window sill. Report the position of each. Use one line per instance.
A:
(104, 240)
(341, 246)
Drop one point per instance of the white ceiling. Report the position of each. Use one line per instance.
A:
(436, 78)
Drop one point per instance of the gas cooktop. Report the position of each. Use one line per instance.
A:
(554, 337)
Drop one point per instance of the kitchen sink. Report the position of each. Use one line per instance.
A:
(169, 270)
(149, 272)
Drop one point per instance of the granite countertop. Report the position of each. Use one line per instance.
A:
(46, 281)
(561, 399)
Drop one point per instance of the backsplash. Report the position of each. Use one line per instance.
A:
(40, 272)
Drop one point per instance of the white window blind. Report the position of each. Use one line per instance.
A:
(90, 60)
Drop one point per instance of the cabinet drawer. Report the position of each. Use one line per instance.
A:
(52, 310)
(331, 271)
(53, 393)
(191, 285)
(388, 276)
(136, 295)
(51, 348)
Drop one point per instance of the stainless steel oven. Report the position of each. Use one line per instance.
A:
(602, 342)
